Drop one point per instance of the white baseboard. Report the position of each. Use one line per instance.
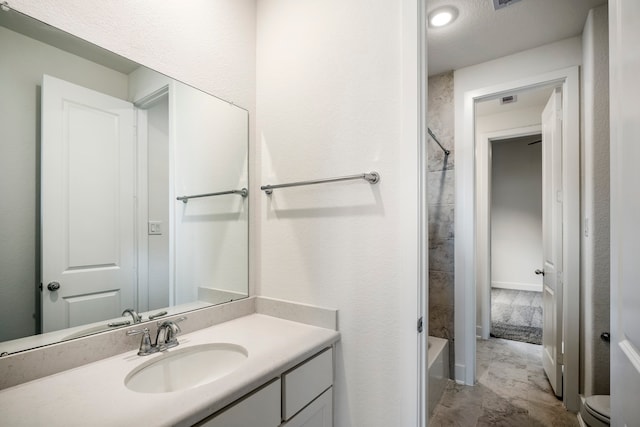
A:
(460, 373)
(532, 287)
(482, 335)
(581, 421)
(581, 404)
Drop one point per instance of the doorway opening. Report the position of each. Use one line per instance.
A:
(472, 229)
(510, 226)
(520, 220)
(155, 210)
(516, 238)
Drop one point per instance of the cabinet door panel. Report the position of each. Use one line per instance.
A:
(318, 414)
(303, 383)
(260, 409)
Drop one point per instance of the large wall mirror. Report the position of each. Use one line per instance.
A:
(97, 154)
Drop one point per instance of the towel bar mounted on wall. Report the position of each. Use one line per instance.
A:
(371, 177)
(446, 152)
(243, 192)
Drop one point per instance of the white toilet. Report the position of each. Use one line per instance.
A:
(596, 411)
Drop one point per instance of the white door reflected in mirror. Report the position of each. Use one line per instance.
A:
(87, 193)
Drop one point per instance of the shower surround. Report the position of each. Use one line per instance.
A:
(441, 210)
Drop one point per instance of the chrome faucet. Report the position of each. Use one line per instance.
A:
(167, 333)
(136, 317)
(165, 338)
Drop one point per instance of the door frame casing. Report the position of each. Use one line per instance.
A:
(142, 104)
(624, 131)
(466, 227)
(483, 217)
(412, 27)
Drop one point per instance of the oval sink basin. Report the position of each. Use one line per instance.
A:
(186, 368)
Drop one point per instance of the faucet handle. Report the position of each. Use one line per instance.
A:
(136, 317)
(170, 321)
(168, 330)
(145, 344)
(156, 315)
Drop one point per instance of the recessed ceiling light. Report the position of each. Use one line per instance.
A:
(443, 16)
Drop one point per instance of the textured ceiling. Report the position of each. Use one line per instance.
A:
(527, 98)
(480, 33)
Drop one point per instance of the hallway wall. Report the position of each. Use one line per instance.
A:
(595, 271)
(516, 214)
(441, 210)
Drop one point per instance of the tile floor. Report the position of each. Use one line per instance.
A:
(512, 390)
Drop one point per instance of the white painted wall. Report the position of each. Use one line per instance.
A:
(516, 215)
(334, 99)
(512, 68)
(23, 63)
(595, 268)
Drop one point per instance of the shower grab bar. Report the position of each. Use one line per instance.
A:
(243, 192)
(371, 177)
(446, 152)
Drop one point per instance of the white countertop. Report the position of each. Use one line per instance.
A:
(95, 394)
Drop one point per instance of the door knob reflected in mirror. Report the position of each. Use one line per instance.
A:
(53, 286)
(539, 272)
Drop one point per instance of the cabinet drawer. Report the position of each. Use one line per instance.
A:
(259, 409)
(305, 382)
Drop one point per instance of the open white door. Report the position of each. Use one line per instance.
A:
(552, 240)
(624, 33)
(87, 194)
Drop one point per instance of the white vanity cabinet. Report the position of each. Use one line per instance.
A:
(286, 380)
(260, 408)
(307, 395)
(318, 414)
(299, 397)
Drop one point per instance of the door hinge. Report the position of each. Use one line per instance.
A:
(560, 359)
(420, 328)
(559, 196)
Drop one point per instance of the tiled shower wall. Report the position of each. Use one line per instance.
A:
(441, 210)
